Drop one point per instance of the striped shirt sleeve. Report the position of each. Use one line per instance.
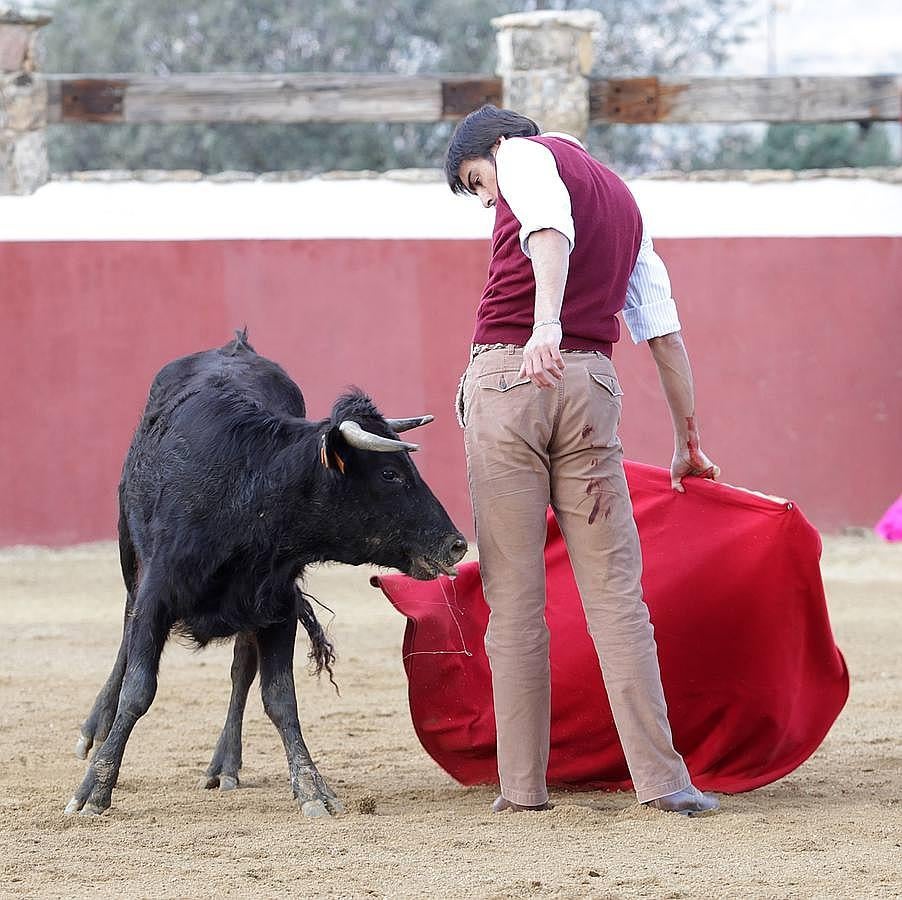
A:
(650, 310)
(529, 181)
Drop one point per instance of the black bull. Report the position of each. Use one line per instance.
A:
(228, 492)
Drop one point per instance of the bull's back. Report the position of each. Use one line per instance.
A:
(203, 436)
(236, 367)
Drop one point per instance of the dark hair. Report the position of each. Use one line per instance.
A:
(475, 136)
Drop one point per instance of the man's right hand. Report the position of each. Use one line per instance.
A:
(542, 361)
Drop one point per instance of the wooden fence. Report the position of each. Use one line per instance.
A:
(265, 98)
(294, 98)
(544, 65)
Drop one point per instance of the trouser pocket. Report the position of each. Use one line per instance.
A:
(495, 398)
(608, 381)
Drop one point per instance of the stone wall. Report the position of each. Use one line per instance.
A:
(23, 103)
(544, 60)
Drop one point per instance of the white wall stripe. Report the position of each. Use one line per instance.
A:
(383, 208)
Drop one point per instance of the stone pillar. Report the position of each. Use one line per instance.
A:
(23, 103)
(544, 59)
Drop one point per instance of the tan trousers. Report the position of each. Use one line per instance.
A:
(526, 448)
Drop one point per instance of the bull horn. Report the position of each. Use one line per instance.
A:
(366, 440)
(399, 425)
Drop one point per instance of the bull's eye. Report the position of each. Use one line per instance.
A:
(391, 475)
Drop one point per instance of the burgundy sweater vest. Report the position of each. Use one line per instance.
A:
(608, 231)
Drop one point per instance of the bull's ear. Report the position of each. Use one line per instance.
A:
(330, 446)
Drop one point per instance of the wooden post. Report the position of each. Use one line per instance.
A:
(544, 59)
(23, 103)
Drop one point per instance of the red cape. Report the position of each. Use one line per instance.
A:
(751, 672)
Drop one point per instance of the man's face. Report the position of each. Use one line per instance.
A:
(478, 176)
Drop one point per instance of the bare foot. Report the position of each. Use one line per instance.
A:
(502, 804)
(688, 802)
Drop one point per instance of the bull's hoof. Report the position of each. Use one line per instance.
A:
(95, 729)
(314, 808)
(76, 805)
(93, 796)
(83, 745)
(221, 781)
(331, 806)
(314, 795)
(89, 809)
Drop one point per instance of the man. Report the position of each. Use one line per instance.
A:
(540, 405)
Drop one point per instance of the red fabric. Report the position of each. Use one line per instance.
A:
(608, 230)
(751, 672)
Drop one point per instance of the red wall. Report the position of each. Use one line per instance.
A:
(795, 344)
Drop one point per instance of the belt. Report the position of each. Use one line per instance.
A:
(476, 349)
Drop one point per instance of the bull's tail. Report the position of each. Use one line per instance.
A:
(322, 652)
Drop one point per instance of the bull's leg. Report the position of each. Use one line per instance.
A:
(223, 769)
(147, 634)
(97, 726)
(276, 646)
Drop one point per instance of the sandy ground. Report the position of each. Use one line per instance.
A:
(833, 828)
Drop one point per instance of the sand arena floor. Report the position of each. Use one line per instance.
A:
(833, 828)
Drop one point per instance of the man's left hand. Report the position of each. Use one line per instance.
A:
(542, 361)
(691, 462)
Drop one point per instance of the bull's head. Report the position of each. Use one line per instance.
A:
(395, 519)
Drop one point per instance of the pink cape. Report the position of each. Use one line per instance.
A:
(752, 674)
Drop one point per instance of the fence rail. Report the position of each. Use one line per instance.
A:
(265, 98)
(382, 98)
(865, 98)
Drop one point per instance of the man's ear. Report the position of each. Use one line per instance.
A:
(332, 450)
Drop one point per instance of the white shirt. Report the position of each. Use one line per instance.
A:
(528, 180)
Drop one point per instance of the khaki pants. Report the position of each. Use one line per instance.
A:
(526, 448)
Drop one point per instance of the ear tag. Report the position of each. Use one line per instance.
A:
(327, 458)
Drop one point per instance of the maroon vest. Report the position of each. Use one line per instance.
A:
(608, 231)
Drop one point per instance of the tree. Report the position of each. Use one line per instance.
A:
(824, 147)
(797, 146)
(403, 37)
